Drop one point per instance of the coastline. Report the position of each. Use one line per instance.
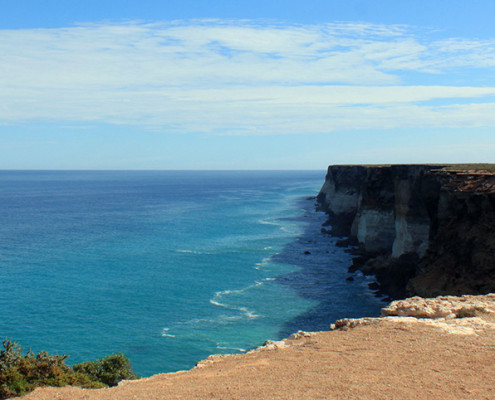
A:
(423, 348)
(435, 349)
(320, 277)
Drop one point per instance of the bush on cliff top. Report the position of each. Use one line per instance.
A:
(20, 374)
(109, 370)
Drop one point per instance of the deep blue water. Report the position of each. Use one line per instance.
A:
(167, 267)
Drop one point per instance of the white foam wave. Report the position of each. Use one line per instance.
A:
(192, 252)
(227, 318)
(268, 222)
(219, 347)
(250, 314)
(165, 334)
(264, 262)
(216, 303)
(237, 291)
(217, 300)
(196, 322)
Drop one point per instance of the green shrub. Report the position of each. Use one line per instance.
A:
(10, 354)
(20, 374)
(109, 370)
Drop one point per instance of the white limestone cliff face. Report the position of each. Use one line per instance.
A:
(381, 205)
(411, 231)
(341, 200)
(421, 229)
(375, 229)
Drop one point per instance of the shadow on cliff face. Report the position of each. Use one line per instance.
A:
(321, 277)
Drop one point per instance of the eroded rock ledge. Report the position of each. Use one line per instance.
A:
(466, 315)
(423, 230)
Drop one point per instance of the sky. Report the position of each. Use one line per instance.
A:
(225, 84)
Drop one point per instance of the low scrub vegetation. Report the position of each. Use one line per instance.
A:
(470, 167)
(20, 374)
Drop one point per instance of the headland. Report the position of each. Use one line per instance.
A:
(424, 230)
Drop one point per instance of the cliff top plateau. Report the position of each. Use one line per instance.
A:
(481, 167)
(439, 348)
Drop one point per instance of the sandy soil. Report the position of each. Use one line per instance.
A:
(385, 360)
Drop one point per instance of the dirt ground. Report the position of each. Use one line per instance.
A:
(387, 360)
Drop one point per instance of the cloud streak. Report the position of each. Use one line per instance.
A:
(241, 77)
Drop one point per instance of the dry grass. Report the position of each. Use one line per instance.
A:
(444, 166)
(470, 167)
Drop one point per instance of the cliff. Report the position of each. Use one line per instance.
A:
(423, 230)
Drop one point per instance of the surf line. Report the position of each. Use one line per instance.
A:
(218, 297)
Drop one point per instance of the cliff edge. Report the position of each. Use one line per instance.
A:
(424, 230)
(427, 349)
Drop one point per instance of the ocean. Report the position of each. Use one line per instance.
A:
(167, 267)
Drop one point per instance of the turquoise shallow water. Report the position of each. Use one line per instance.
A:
(167, 267)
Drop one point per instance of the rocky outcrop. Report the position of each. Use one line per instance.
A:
(421, 229)
(466, 315)
(442, 307)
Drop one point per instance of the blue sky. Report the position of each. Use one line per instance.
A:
(245, 84)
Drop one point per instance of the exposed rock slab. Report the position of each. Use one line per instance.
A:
(466, 315)
(442, 307)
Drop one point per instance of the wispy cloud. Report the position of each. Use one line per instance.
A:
(238, 77)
